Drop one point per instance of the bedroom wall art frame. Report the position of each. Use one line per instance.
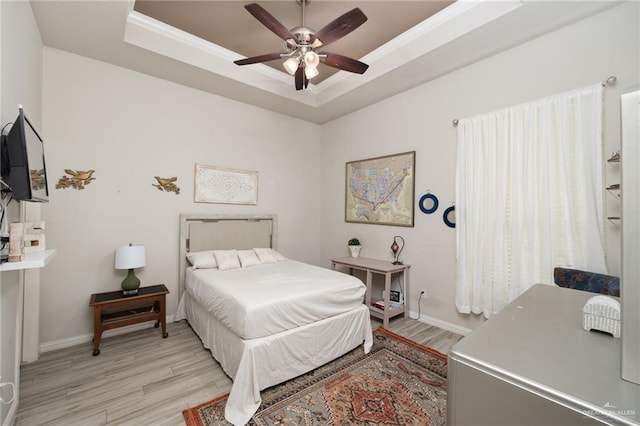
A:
(380, 190)
(224, 186)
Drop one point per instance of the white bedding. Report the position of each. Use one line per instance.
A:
(263, 362)
(269, 298)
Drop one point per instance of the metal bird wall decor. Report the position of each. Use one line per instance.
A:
(77, 179)
(167, 184)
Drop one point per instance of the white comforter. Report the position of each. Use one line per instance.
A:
(269, 298)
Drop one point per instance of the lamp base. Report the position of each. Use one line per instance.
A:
(397, 262)
(130, 284)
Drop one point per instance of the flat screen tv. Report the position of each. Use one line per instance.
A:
(23, 167)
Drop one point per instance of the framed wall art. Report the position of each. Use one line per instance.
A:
(225, 186)
(381, 190)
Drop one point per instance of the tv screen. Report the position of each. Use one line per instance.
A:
(23, 165)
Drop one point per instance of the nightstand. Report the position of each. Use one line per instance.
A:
(375, 266)
(113, 310)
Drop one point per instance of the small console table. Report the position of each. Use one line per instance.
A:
(375, 266)
(113, 310)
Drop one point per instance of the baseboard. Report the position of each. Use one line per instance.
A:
(84, 338)
(441, 324)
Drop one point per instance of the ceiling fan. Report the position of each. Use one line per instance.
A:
(301, 44)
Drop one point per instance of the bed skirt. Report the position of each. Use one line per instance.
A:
(259, 363)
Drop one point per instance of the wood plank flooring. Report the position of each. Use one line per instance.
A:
(140, 378)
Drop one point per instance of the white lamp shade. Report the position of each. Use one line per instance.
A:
(311, 72)
(291, 65)
(311, 59)
(129, 257)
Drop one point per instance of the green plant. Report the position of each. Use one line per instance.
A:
(354, 242)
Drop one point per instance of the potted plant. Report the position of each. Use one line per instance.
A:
(354, 247)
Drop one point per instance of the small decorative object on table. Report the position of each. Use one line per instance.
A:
(354, 247)
(602, 313)
(129, 257)
(379, 304)
(34, 236)
(16, 242)
(396, 249)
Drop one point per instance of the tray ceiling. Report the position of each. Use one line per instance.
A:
(229, 25)
(194, 43)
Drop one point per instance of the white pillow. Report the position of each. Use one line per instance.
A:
(227, 259)
(265, 255)
(248, 258)
(278, 256)
(202, 259)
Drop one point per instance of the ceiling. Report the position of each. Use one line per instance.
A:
(229, 25)
(194, 43)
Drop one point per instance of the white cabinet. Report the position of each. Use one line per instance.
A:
(533, 363)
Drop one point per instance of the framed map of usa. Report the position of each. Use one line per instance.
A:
(381, 190)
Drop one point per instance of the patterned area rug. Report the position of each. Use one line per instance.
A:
(398, 383)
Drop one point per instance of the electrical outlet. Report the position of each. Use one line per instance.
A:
(423, 293)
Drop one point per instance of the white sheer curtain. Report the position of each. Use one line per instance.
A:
(528, 197)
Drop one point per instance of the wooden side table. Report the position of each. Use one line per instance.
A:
(375, 266)
(113, 310)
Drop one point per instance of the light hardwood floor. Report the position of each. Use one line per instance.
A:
(140, 378)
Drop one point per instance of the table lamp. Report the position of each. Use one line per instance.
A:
(396, 249)
(129, 257)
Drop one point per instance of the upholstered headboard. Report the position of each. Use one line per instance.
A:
(200, 232)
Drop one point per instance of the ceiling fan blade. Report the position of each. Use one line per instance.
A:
(255, 59)
(344, 63)
(341, 26)
(299, 79)
(306, 81)
(270, 22)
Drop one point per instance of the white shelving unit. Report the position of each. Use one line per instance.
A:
(31, 260)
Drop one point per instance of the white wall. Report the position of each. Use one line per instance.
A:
(130, 127)
(421, 120)
(21, 83)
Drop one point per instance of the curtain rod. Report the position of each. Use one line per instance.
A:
(610, 81)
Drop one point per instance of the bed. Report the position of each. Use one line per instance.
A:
(269, 321)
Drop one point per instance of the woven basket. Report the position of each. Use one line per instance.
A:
(602, 313)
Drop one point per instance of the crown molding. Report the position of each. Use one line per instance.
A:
(445, 26)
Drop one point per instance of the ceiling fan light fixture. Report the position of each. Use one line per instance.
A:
(291, 64)
(311, 72)
(300, 43)
(311, 59)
